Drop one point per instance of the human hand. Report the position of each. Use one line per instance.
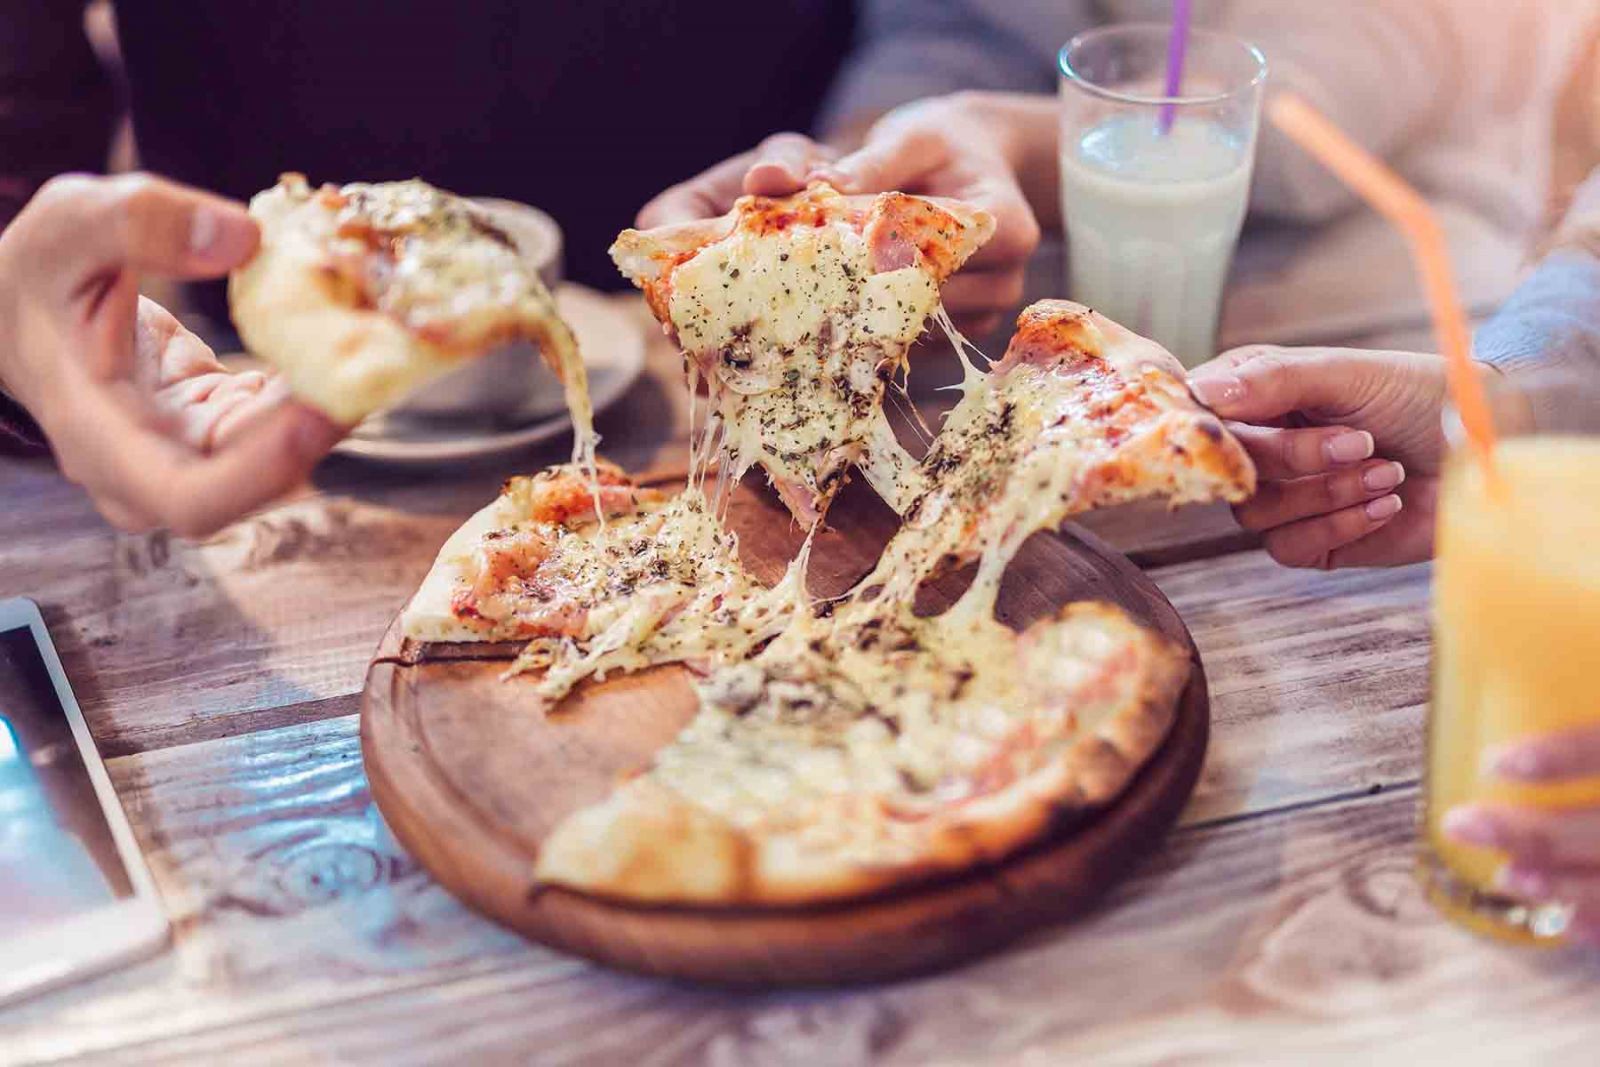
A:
(957, 146)
(138, 409)
(1552, 854)
(1348, 446)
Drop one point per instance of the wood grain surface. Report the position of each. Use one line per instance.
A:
(1278, 924)
(472, 778)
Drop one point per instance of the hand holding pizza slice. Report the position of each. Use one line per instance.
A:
(362, 293)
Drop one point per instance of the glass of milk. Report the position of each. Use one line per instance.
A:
(1153, 212)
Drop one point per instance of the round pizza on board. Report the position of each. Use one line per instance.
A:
(852, 747)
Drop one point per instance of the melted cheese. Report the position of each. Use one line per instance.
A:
(796, 337)
(666, 588)
(844, 734)
(436, 264)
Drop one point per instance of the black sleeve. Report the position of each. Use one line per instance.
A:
(56, 104)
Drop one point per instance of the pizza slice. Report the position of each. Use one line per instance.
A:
(796, 312)
(362, 293)
(1080, 413)
(658, 581)
(826, 768)
(528, 564)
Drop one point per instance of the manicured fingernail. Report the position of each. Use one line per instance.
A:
(1384, 476)
(1521, 882)
(1472, 827)
(203, 228)
(1349, 447)
(1218, 392)
(1515, 761)
(1385, 507)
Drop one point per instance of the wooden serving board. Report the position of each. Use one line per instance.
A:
(471, 778)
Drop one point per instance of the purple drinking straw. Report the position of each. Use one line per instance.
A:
(1177, 46)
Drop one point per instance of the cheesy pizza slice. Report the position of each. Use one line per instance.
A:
(1080, 413)
(797, 312)
(537, 561)
(361, 293)
(658, 581)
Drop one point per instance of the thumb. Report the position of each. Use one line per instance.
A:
(1263, 382)
(895, 158)
(143, 224)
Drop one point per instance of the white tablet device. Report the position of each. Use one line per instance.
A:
(75, 895)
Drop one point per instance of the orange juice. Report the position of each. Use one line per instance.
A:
(1516, 650)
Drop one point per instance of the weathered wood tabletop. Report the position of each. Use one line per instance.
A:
(1279, 922)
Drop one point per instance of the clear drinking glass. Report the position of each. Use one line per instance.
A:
(1153, 214)
(1516, 637)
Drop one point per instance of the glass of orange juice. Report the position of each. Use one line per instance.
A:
(1516, 644)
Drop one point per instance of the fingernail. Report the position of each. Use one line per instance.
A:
(1218, 392)
(221, 237)
(1472, 827)
(1521, 882)
(1515, 761)
(1351, 447)
(1385, 476)
(783, 168)
(1385, 507)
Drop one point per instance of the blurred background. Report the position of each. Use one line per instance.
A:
(588, 110)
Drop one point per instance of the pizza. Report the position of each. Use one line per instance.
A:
(797, 312)
(840, 762)
(852, 747)
(593, 573)
(1079, 413)
(364, 292)
(519, 568)
(866, 747)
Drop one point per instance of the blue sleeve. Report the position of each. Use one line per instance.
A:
(1548, 336)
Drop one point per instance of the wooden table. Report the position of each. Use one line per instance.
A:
(1279, 922)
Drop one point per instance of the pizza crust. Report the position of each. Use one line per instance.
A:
(430, 614)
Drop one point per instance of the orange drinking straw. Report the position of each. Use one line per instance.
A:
(1405, 208)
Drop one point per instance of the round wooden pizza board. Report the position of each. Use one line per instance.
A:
(471, 777)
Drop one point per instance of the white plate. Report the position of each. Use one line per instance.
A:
(613, 347)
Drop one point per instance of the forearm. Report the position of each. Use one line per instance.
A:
(908, 50)
(1547, 336)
